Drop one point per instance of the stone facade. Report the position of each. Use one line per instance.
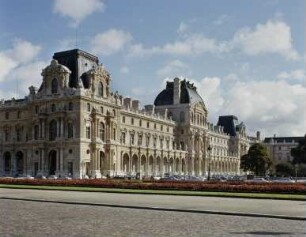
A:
(75, 125)
(280, 148)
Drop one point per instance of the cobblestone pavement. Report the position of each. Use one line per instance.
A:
(272, 207)
(23, 218)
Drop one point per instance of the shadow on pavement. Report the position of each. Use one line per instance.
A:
(267, 233)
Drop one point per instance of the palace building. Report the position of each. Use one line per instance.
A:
(74, 124)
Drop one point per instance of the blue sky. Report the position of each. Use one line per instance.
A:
(247, 57)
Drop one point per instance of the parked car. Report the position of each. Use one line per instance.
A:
(257, 180)
(283, 180)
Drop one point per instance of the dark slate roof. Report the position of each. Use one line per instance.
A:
(229, 123)
(282, 139)
(188, 94)
(71, 59)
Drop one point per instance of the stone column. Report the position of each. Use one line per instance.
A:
(42, 161)
(62, 161)
(62, 128)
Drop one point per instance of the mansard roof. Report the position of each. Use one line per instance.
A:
(283, 139)
(188, 94)
(229, 124)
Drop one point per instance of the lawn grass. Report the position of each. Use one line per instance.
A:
(296, 197)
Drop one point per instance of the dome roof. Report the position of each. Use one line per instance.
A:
(188, 94)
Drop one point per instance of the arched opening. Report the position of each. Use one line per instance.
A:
(52, 130)
(54, 86)
(102, 161)
(19, 162)
(182, 116)
(135, 163)
(151, 170)
(126, 163)
(102, 131)
(100, 89)
(158, 165)
(7, 162)
(52, 162)
(143, 164)
(183, 166)
(171, 164)
(177, 165)
(165, 164)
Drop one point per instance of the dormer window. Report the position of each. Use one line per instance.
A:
(53, 108)
(70, 106)
(100, 90)
(54, 86)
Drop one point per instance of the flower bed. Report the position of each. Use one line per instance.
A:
(296, 188)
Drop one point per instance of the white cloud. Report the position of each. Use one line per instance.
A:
(195, 44)
(22, 52)
(183, 27)
(271, 37)
(124, 70)
(78, 10)
(110, 41)
(272, 107)
(173, 69)
(293, 75)
(210, 90)
(19, 68)
(221, 19)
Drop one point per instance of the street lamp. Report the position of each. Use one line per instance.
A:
(209, 151)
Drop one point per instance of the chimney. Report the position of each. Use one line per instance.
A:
(127, 103)
(176, 91)
(135, 104)
(258, 135)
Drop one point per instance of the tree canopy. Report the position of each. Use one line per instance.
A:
(257, 159)
(299, 153)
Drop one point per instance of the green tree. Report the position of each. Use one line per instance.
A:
(284, 169)
(256, 160)
(299, 153)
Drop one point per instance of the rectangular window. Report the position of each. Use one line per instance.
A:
(88, 132)
(114, 133)
(132, 139)
(36, 132)
(6, 135)
(70, 168)
(147, 141)
(139, 140)
(18, 135)
(70, 130)
(123, 137)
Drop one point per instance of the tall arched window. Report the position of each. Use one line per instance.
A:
(36, 132)
(7, 161)
(70, 130)
(100, 90)
(54, 86)
(52, 130)
(102, 131)
(182, 116)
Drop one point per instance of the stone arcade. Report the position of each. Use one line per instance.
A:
(75, 125)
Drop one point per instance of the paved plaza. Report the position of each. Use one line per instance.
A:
(39, 218)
